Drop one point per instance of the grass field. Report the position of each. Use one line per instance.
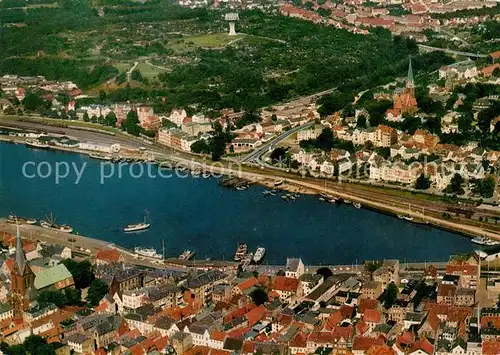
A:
(123, 66)
(148, 71)
(212, 40)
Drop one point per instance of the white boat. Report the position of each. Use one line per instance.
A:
(187, 255)
(149, 252)
(357, 205)
(408, 218)
(22, 220)
(347, 201)
(50, 223)
(65, 228)
(242, 188)
(100, 156)
(196, 172)
(484, 241)
(35, 143)
(259, 254)
(278, 183)
(206, 175)
(138, 226)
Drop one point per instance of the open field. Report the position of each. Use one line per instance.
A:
(123, 66)
(211, 40)
(148, 71)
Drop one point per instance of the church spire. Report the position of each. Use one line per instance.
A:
(411, 80)
(20, 257)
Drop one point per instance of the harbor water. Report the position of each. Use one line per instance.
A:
(198, 214)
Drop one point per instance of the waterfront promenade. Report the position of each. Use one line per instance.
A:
(86, 248)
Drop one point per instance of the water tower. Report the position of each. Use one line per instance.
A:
(232, 17)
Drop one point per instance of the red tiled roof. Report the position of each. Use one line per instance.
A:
(283, 283)
(380, 350)
(491, 347)
(490, 321)
(495, 55)
(343, 332)
(256, 315)
(465, 269)
(488, 71)
(218, 336)
(367, 303)
(364, 343)
(248, 347)
(111, 255)
(372, 316)
(346, 311)
(245, 285)
(321, 337)
(300, 341)
(423, 345)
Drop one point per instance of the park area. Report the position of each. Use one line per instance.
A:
(212, 40)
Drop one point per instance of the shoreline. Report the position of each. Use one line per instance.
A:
(36, 233)
(305, 186)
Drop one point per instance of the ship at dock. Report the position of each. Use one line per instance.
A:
(50, 223)
(35, 143)
(100, 156)
(485, 241)
(187, 255)
(259, 255)
(136, 227)
(20, 220)
(148, 252)
(240, 252)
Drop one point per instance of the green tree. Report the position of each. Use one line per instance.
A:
(325, 272)
(47, 297)
(131, 124)
(455, 186)
(73, 296)
(200, 147)
(361, 122)
(31, 101)
(82, 272)
(136, 75)
(259, 296)
(485, 187)
(110, 119)
(423, 182)
(97, 290)
(390, 295)
(86, 117)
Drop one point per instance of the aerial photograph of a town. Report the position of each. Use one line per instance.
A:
(209, 177)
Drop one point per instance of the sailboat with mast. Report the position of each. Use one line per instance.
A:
(139, 226)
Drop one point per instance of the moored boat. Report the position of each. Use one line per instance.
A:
(50, 223)
(21, 220)
(100, 156)
(187, 255)
(357, 205)
(259, 254)
(278, 183)
(35, 143)
(138, 226)
(484, 241)
(149, 252)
